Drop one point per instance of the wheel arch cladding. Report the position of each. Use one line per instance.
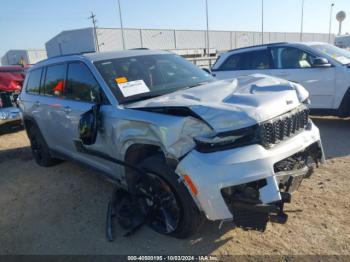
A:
(344, 108)
(136, 153)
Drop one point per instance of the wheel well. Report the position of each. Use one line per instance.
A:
(344, 108)
(138, 152)
(134, 155)
(28, 123)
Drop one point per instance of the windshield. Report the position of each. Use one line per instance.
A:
(341, 55)
(141, 77)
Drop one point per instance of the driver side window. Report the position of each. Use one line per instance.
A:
(291, 58)
(81, 85)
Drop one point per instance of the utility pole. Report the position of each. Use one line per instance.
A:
(208, 48)
(330, 23)
(121, 24)
(94, 21)
(262, 21)
(302, 21)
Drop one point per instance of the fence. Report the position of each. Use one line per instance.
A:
(111, 39)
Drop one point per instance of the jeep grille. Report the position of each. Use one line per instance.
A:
(284, 126)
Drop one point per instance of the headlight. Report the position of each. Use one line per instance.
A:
(227, 140)
(302, 93)
(4, 115)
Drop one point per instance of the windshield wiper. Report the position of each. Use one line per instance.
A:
(197, 84)
(142, 97)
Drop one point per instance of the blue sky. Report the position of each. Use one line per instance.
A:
(31, 23)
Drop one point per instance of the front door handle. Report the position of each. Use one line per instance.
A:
(37, 103)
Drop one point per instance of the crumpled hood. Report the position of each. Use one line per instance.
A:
(233, 104)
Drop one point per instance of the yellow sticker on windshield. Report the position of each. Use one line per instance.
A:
(121, 80)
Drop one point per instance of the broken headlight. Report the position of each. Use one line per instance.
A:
(227, 140)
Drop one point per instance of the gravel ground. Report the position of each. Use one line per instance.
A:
(61, 210)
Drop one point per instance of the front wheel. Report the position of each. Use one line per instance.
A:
(167, 202)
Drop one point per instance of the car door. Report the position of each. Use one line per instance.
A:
(49, 107)
(80, 94)
(295, 64)
(244, 63)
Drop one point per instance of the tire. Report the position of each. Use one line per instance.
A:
(190, 218)
(40, 150)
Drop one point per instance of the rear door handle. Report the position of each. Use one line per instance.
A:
(67, 109)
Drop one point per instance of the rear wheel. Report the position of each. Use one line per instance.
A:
(166, 201)
(40, 150)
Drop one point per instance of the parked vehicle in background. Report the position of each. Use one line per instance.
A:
(342, 41)
(10, 115)
(11, 78)
(11, 81)
(323, 69)
(181, 142)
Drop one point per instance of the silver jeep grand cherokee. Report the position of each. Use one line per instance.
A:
(187, 145)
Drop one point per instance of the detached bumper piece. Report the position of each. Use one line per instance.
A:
(244, 202)
(248, 211)
(291, 171)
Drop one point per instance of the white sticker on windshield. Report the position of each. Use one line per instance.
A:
(133, 88)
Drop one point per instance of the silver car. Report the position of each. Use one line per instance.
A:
(10, 115)
(186, 145)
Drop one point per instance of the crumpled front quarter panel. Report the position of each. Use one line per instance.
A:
(174, 135)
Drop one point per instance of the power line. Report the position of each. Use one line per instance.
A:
(94, 21)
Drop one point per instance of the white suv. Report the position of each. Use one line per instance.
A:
(321, 68)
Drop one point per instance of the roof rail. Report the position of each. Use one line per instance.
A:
(139, 48)
(64, 55)
(246, 47)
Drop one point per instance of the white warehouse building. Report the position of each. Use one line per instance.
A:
(108, 39)
(26, 56)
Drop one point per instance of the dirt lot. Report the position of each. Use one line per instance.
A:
(61, 210)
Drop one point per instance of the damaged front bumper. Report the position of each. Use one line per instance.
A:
(252, 182)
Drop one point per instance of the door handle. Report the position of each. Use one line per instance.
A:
(37, 103)
(67, 109)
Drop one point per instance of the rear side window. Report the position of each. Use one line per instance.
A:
(33, 85)
(81, 85)
(54, 80)
(233, 62)
(255, 60)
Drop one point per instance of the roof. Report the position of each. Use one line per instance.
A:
(278, 43)
(98, 56)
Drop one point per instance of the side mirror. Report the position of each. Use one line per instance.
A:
(88, 125)
(321, 62)
(96, 95)
(207, 70)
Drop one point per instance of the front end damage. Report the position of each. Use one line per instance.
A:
(244, 201)
(250, 185)
(252, 145)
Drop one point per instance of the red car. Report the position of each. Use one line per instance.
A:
(11, 81)
(11, 78)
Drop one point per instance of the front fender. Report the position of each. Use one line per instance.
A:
(175, 138)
